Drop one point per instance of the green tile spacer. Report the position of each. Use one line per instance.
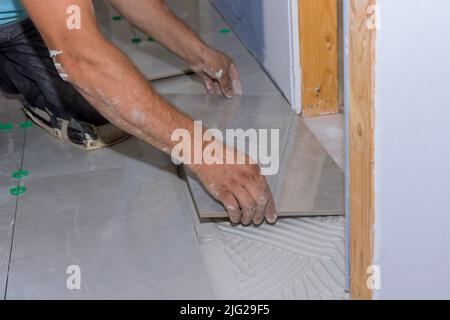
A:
(136, 40)
(6, 126)
(17, 191)
(117, 18)
(150, 39)
(26, 124)
(224, 30)
(20, 174)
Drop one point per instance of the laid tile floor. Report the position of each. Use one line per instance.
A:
(128, 221)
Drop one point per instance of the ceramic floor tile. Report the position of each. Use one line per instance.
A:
(11, 111)
(254, 80)
(104, 10)
(11, 148)
(330, 131)
(199, 15)
(120, 33)
(126, 229)
(182, 84)
(308, 183)
(47, 156)
(152, 59)
(155, 61)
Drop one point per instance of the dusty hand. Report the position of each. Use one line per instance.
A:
(219, 73)
(242, 190)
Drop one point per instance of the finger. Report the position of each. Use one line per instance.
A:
(247, 204)
(235, 80)
(232, 206)
(226, 86)
(209, 85)
(271, 211)
(260, 191)
(217, 90)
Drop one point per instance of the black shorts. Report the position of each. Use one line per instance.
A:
(26, 68)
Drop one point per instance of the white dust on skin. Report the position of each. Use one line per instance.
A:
(62, 73)
(137, 115)
(132, 126)
(219, 74)
(214, 190)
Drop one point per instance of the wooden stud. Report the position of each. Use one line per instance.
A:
(361, 139)
(319, 56)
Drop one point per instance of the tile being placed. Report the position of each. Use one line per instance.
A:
(11, 148)
(308, 182)
(126, 230)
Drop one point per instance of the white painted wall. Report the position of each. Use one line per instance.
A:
(269, 28)
(412, 151)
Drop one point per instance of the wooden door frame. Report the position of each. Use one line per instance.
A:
(319, 52)
(361, 127)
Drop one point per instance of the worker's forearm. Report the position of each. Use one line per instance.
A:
(114, 86)
(155, 19)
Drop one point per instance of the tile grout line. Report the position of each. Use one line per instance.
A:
(15, 218)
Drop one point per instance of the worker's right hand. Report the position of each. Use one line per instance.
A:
(242, 190)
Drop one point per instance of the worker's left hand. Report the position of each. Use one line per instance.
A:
(219, 73)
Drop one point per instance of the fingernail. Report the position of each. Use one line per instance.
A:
(273, 219)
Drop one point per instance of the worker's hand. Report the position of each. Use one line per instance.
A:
(242, 190)
(219, 73)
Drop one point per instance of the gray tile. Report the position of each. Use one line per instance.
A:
(308, 183)
(127, 229)
(199, 15)
(11, 110)
(119, 33)
(46, 156)
(155, 61)
(11, 148)
(152, 59)
(182, 84)
(253, 78)
(104, 10)
(330, 131)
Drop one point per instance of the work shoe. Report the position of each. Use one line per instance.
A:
(79, 133)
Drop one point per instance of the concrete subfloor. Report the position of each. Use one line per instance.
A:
(128, 221)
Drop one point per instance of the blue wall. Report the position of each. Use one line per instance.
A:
(245, 17)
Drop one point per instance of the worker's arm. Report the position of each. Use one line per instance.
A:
(154, 18)
(110, 82)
